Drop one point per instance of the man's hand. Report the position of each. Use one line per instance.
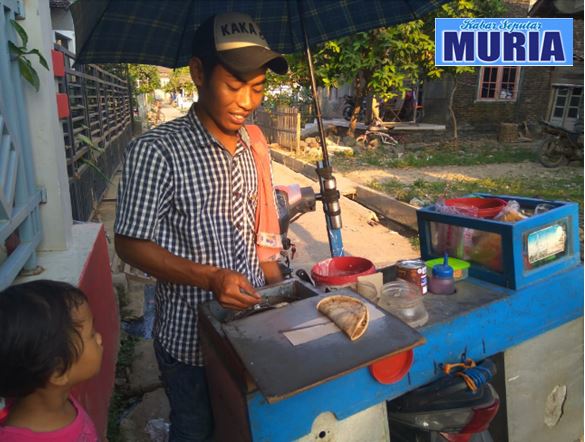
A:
(232, 290)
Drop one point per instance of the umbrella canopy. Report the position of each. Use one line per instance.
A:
(160, 32)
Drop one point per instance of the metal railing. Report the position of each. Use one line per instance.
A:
(20, 230)
(96, 130)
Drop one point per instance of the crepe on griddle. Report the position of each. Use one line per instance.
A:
(349, 314)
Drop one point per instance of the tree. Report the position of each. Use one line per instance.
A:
(378, 62)
(180, 79)
(144, 77)
(465, 9)
(385, 61)
(292, 88)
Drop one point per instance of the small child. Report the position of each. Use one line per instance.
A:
(47, 345)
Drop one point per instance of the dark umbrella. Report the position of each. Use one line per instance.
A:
(160, 32)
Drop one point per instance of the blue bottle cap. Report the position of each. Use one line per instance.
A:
(443, 270)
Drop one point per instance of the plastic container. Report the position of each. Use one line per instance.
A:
(341, 271)
(513, 264)
(479, 207)
(442, 281)
(460, 267)
(403, 299)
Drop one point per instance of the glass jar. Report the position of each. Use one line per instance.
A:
(403, 299)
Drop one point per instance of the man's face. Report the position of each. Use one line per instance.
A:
(227, 100)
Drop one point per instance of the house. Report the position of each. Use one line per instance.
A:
(565, 96)
(62, 24)
(493, 95)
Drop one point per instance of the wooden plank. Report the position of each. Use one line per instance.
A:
(391, 208)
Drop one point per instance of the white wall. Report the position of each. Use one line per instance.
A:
(46, 133)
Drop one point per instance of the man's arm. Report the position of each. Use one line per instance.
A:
(232, 289)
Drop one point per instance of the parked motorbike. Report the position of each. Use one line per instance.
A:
(292, 201)
(447, 409)
(560, 146)
(349, 106)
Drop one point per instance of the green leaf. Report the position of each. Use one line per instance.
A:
(28, 72)
(16, 49)
(89, 142)
(95, 167)
(21, 32)
(42, 59)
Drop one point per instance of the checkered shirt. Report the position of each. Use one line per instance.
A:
(183, 191)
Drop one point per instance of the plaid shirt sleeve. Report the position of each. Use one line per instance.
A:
(145, 191)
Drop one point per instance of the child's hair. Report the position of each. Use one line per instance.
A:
(38, 335)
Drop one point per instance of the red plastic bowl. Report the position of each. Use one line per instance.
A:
(341, 270)
(393, 368)
(484, 207)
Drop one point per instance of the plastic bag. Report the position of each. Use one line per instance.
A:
(487, 250)
(455, 240)
(511, 213)
(158, 430)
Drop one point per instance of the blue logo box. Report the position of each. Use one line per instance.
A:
(504, 42)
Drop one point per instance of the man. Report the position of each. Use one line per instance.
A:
(187, 206)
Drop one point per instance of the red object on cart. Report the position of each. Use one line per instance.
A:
(478, 207)
(393, 368)
(341, 271)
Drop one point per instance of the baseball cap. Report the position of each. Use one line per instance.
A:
(237, 41)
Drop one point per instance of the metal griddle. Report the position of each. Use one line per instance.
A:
(281, 369)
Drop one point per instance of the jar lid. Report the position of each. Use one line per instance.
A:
(444, 270)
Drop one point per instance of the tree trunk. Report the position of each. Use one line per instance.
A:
(353, 119)
(359, 87)
(451, 111)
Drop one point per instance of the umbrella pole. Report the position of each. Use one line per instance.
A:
(329, 195)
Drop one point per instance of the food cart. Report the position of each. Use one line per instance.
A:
(527, 304)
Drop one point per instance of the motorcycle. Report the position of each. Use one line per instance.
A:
(560, 146)
(349, 106)
(292, 201)
(447, 410)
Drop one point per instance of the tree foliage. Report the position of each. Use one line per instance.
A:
(144, 77)
(180, 79)
(293, 87)
(387, 61)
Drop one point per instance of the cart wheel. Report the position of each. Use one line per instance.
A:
(551, 153)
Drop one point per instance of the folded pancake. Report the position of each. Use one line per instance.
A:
(349, 314)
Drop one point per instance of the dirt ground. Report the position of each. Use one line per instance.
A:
(462, 173)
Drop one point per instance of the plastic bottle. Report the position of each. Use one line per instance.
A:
(442, 281)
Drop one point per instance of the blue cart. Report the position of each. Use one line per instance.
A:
(525, 302)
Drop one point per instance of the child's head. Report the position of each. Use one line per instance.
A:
(46, 338)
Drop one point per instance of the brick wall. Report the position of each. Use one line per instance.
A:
(578, 37)
(530, 105)
(532, 99)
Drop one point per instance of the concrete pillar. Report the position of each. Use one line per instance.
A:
(48, 147)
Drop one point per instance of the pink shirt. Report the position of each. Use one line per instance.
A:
(80, 430)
